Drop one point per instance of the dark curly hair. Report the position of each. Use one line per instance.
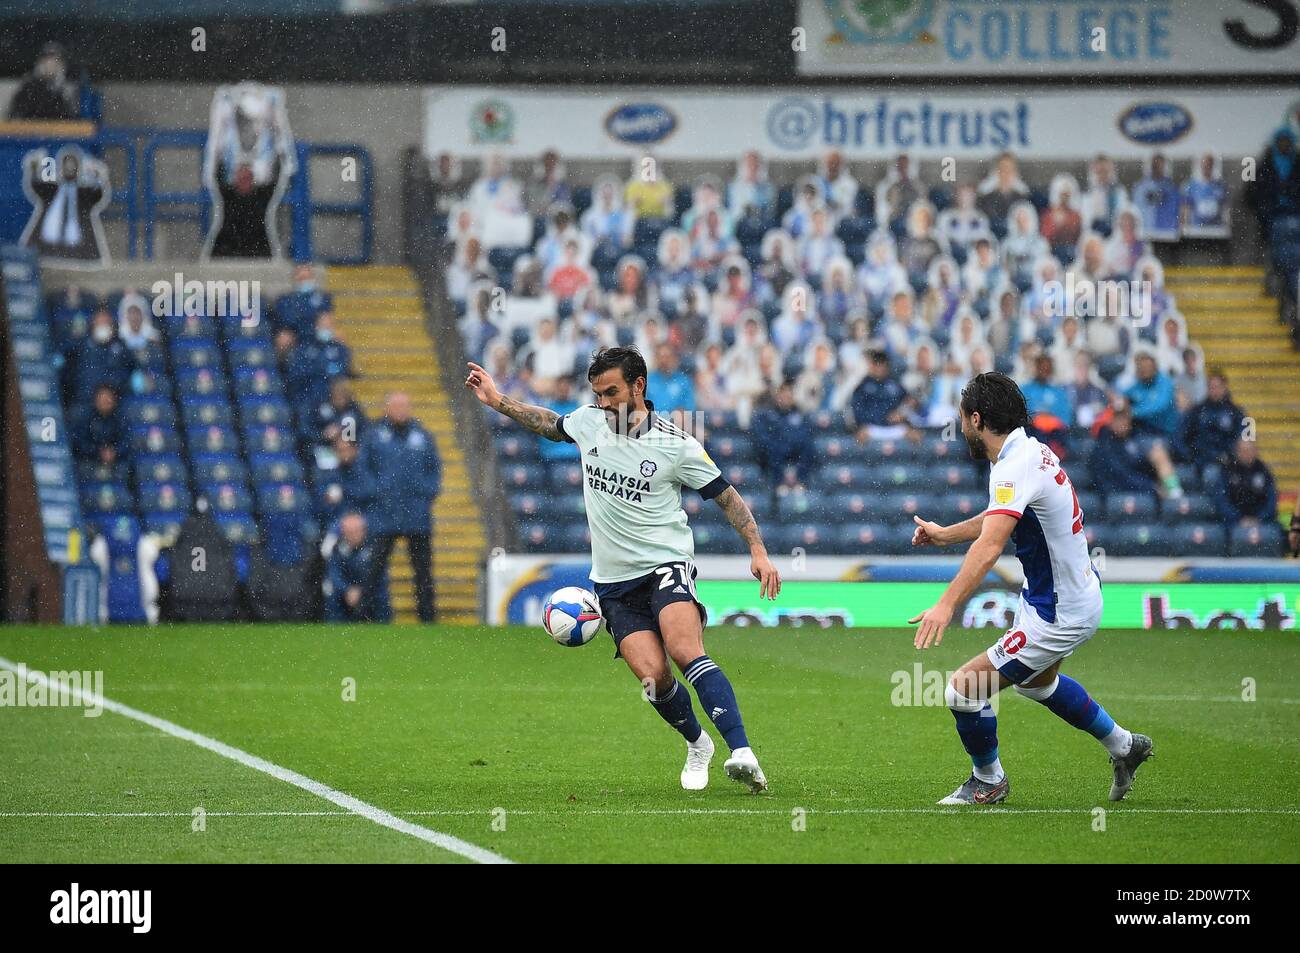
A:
(999, 401)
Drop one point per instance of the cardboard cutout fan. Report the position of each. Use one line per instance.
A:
(68, 193)
(249, 161)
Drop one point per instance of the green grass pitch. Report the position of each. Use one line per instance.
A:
(544, 754)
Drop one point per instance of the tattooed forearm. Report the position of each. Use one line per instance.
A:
(539, 420)
(738, 514)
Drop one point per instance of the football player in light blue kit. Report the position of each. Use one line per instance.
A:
(634, 464)
(1031, 501)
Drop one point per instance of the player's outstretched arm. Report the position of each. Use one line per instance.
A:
(932, 534)
(540, 420)
(740, 517)
(980, 558)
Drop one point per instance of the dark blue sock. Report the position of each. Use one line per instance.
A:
(978, 731)
(718, 699)
(675, 708)
(1072, 703)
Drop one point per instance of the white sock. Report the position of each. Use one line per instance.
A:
(1118, 742)
(700, 741)
(991, 773)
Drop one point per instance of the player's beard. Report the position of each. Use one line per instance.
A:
(975, 443)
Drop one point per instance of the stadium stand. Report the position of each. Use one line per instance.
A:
(744, 286)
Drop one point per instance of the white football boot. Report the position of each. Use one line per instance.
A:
(743, 766)
(695, 776)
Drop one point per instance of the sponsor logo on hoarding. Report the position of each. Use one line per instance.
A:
(641, 124)
(898, 22)
(888, 123)
(492, 121)
(1155, 124)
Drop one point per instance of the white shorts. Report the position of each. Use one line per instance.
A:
(1032, 644)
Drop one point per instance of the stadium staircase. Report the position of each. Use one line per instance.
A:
(1236, 324)
(380, 315)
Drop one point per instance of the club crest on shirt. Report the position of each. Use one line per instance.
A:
(648, 468)
(1004, 492)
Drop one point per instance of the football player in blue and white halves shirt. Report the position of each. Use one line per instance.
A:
(634, 466)
(1032, 502)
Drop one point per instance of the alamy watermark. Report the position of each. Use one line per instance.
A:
(1086, 298)
(24, 688)
(178, 297)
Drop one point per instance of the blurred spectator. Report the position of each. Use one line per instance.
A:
(1171, 341)
(1087, 396)
(562, 400)
(1276, 189)
(315, 362)
(705, 198)
(797, 326)
(807, 196)
(712, 386)
(1247, 494)
(45, 93)
(608, 222)
(634, 296)
(447, 179)
(776, 270)
(1105, 196)
(1157, 201)
(964, 223)
(339, 416)
(468, 266)
(711, 242)
(880, 276)
(355, 586)
(552, 357)
(1122, 461)
(839, 188)
(922, 244)
(496, 201)
(101, 434)
(560, 230)
(403, 458)
(1023, 248)
(877, 402)
(1002, 189)
(134, 327)
(668, 386)
(1044, 396)
(1190, 382)
(816, 387)
(896, 193)
(1062, 222)
(1155, 411)
(298, 309)
(572, 275)
(648, 192)
(1205, 200)
(349, 485)
(549, 185)
(783, 439)
(100, 358)
(1213, 427)
(749, 192)
(1126, 246)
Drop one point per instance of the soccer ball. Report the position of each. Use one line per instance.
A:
(572, 616)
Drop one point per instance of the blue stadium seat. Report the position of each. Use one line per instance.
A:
(514, 447)
(203, 380)
(1131, 506)
(539, 537)
(143, 411)
(163, 524)
(250, 352)
(275, 468)
(257, 382)
(282, 498)
(716, 540)
(219, 468)
(164, 498)
(195, 355)
(1189, 477)
(1263, 541)
(875, 538)
(268, 438)
(896, 451)
(207, 412)
(745, 477)
(893, 476)
(699, 510)
(121, 533)
(266, 411)
(949, 508)
(1199, 539)
(839, 448)
(213, 438)
(153, 384)
(99, 498)
(1191, 508)
(94, 471)
(1137, 538)
(189, 327)
(957, 475)
(525, 476)
(234, 329)
(838, 477)
(646, 231)
(228, 498)
(732, 449)
(238, 528)
(155, 439)
(574, 537)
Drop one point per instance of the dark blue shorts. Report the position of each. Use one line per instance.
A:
(633, 605)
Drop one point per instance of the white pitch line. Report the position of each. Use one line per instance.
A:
(674, 812)
(349, 803)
